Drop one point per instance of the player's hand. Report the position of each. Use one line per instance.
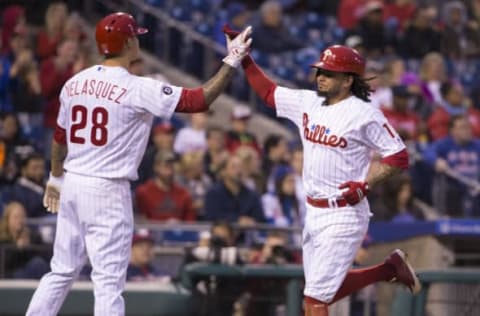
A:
(238, 47)
(51, 198)
(229, 32)
(356, 191)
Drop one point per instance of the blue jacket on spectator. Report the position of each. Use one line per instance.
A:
(5, 100)
(221, 204)
(30, 195)
(464, 159)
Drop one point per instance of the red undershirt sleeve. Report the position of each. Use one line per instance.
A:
(60, 135)
(192, 101)
(263, 86)
(399, 160)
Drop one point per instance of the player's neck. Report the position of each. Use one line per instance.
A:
(332, 100)
(117, 62)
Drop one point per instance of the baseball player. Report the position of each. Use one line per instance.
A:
(104, 121)
(339, 129)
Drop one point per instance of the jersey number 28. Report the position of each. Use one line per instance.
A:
(98, 132)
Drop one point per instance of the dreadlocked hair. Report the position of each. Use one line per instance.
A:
(360, 87)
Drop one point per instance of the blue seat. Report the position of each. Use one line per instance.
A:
(199, 5)
(260, 58)
(204, 28)
(284, 72)
(315, 20)
(180, 236)
(157, 3)
(181, 13)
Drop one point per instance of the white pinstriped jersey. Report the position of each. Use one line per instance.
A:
(107, 114)
(337, 139)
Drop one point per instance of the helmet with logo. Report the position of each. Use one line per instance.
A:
(113, 30)
(339, 58)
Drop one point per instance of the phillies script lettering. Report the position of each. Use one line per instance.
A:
(321, 134)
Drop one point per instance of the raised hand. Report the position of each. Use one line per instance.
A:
(238, 47)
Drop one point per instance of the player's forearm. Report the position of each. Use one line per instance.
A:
(258, 80)
(59, 152)
(381, 171)
(213, 87)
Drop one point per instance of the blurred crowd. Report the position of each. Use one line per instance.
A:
(424, 64)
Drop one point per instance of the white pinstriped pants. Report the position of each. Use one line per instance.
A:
(331, 239)
(95, 219)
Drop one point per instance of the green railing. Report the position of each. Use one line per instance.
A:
(468, 305)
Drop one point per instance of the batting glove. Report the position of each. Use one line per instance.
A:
(238, 47)
(356, 191)
(51, 198)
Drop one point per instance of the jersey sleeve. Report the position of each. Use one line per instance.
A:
(289, 103)
(62, 112)
(156, 97)
(380, 136)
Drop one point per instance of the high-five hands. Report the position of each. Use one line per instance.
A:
(238, 47)
(51, 197)
(356, 191)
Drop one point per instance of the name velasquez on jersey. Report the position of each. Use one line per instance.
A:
(107, 114)
(97, 88)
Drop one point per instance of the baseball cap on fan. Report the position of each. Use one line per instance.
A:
(241, 112)
(142, 235)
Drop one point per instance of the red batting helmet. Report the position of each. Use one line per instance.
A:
(341, 58)
(113, 30)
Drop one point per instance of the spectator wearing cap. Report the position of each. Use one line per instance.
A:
(192, 138)
(460, 39)
(453, 104)
(161, 198)
(356, 42)
(163, 135)
(141, 266)
(231, 200)
(371, 29)
(239, 136)
(405, 121)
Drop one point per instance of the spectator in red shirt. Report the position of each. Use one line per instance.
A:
(406, 122)
(453, 104)
(49, 38)
(348, 13)
(400, 10)
(161, 198)
(13, 22)
(54, 72)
